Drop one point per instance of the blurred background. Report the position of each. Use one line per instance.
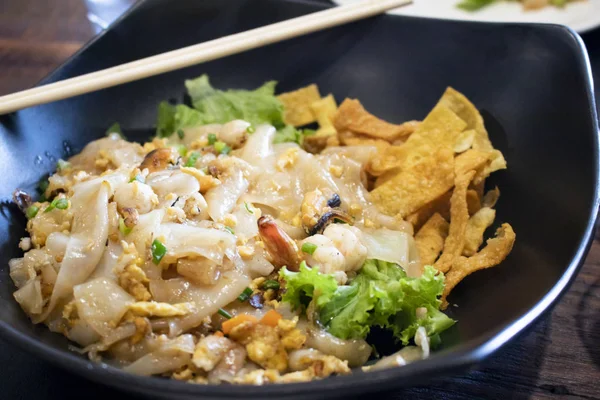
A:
(37, 36)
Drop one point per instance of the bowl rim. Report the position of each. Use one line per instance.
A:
(448, 361)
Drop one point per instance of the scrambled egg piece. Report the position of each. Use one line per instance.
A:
(209, 351)
(142, 328)
(287, 159)
(155, 309)
(134, 280)
(266, 345)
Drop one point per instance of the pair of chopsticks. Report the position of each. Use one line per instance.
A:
(197, 54)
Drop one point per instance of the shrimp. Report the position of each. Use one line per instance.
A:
(282, 248)
(339, 250)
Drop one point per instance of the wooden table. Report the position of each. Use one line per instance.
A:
(558, 358)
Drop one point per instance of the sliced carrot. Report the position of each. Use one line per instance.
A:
(228, 325)
(219, 334)
(271, 318)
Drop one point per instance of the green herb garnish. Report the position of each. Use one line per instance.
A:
(158, 251)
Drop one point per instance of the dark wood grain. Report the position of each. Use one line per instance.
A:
(558, 358)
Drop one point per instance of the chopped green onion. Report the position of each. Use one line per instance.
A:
(222, 148)
(270, 284)
(32, 211)
(61, 204)
(248, 208)
(225, 313)
(309, 248)
(43, 185)
(250, 129)
(212, 138)
(182, 150)
(115, 128)
(62, 165)
(192, 159)
(245, 295)
(230, 230)
(138, 178)
(180, 133)
(123, 228)
(158, 251)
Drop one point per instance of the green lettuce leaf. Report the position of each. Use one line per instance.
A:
(214, 106)
(172, 118)
(306, 284)
(380, 295)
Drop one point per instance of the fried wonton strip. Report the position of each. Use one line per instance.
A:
(296, 105)
(348, 138)
(476, 227)
(473, 201)
(352, 116)
(465, 110)
(441, 205)
(464, 141)
(470, 160)
(459, 216)
(324, 111)
(460, 105)
(440, 129)
(496, 163)
(490, 198)
(413, 188)
(496, 250)
(430, 239)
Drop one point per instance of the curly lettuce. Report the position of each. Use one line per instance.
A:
(380, 295)
(214, 106)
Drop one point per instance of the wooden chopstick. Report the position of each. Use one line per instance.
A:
(197, 54)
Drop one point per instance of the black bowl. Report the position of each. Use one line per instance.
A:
(532, 83)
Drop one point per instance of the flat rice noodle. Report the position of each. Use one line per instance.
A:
(143, 232)
(86, 243)
(417, 186)
(355, 351)
(222, 199)
(29, 297)
(207, 299)
(190, 241)
(120, 152)
(101, 303)
(430, 239)
(352, 116)
(386, 245)
(171, 355)
(439, 130)
(172, 181)
(459, 217)
(259, 145)
(496, 250)
(476, 227)
(109, 260)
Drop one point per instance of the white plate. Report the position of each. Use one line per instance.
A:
(580, 16)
